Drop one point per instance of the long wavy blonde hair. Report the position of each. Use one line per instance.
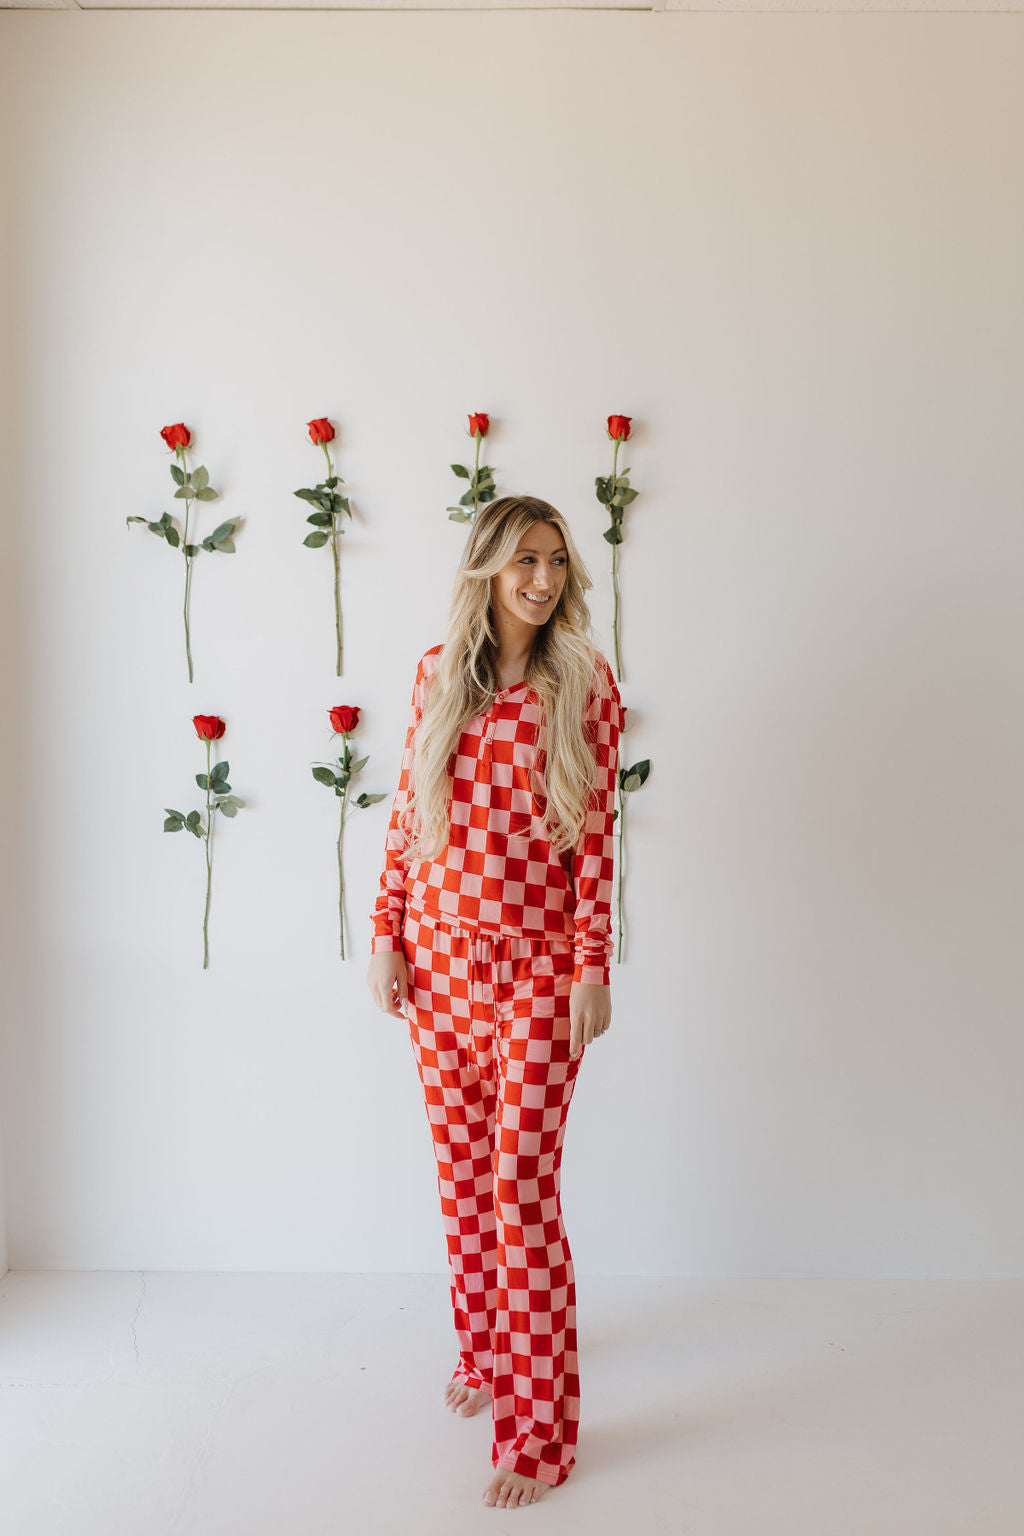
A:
(560, 671)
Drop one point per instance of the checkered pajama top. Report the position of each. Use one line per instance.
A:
(498, 873)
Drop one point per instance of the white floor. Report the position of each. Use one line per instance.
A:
(164, 1404)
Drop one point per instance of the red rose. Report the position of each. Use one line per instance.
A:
(344, 718)
(618, 427)
(177, 436)
(209, 727)
(479, 424)
(320, 430)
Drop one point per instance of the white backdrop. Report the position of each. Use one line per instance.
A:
(790, 247)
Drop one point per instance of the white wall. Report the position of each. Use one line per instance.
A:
(791, 248)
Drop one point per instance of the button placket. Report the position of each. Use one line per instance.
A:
(492, 715)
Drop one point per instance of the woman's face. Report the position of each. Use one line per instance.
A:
(527, 589)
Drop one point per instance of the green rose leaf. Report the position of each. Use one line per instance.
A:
(223, 530)
(324, 776)
(315, 540)
(633, 778)
(461, 471)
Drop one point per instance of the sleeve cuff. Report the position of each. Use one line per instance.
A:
(594, 975)
(381, 943)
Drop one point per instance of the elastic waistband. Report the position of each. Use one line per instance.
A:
(479, 936)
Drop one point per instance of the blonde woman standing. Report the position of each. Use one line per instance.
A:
(492, 930)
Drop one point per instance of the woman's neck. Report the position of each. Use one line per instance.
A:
(511, 666)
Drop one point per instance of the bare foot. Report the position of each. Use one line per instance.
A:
(465, 1400)
(507, 1490)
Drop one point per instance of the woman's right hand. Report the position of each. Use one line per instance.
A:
(388, 982)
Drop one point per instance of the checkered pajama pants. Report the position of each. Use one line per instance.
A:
(489, 1022)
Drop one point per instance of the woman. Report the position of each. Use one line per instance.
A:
(492, 928)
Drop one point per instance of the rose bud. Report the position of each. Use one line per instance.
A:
(479, 424)
(209, 727)
(177, 436)
(344, 718)
(618, 427)
(320, 430)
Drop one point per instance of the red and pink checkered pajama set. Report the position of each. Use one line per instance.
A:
(494, 932)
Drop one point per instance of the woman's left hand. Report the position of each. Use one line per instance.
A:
(590, 1014)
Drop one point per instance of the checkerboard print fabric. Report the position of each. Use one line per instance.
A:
(498, 873)
(489, 1022)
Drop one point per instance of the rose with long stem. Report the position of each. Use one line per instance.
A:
(180, 453)
(329, 506)
(209, 861)
(615, 577)
(613, 492)
(209, 728)
(481, 481)
(338, 776)
(191, 487)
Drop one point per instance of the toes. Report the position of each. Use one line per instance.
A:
(512, 1491)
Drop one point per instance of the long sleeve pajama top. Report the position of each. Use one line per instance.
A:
(498, 873)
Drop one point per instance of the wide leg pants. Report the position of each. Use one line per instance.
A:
(489, 1022)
